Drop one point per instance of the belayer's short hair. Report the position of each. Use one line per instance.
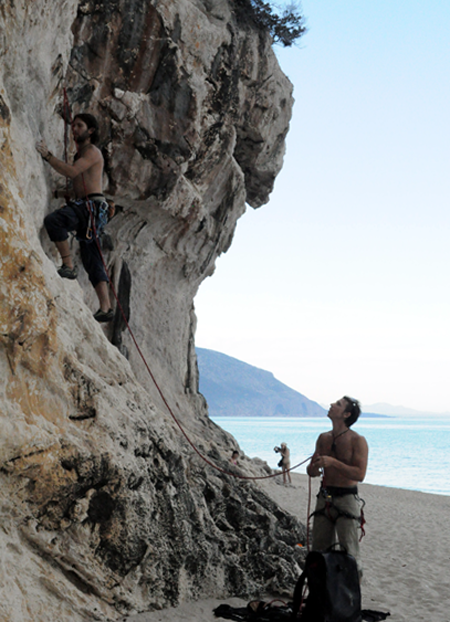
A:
(354, 408)
(91, 122)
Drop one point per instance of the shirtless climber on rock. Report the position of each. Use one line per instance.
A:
(86, 175)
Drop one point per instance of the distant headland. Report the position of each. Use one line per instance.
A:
(233, 388)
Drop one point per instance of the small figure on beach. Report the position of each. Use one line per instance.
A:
(341, 457)
(285, 462)
(86, 175)
(234, 457)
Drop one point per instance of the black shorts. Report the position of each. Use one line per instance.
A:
(74, 216)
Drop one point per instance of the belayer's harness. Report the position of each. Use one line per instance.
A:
(329, 493)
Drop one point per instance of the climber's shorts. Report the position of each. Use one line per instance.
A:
(74, 216)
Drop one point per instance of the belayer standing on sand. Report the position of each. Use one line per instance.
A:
(341, 456)
(86, 175)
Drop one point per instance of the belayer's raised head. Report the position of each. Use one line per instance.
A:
(354, 408)
(85, 128)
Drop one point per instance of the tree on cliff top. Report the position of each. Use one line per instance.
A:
(285, 27)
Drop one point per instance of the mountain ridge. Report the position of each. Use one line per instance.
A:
(235, 388)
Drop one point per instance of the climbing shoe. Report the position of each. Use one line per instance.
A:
(104, 316)
(68, 273)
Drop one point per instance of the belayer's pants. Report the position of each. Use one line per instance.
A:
(331, 527)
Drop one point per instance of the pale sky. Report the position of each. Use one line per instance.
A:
(340, 283)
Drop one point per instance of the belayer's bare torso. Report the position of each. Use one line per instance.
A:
(344, 464)
(341, 454)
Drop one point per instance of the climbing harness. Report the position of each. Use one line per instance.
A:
(329, 494)
(139, 351)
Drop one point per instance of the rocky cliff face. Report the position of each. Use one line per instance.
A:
(105, 507)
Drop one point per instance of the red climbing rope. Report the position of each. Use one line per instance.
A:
(308, 517)
(211, 464)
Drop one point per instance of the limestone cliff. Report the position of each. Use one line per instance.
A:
(105, 508)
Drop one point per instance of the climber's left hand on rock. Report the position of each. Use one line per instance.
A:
(43, 149)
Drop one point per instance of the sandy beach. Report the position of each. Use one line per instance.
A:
(405, 553)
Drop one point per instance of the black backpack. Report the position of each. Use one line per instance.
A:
(334, 592)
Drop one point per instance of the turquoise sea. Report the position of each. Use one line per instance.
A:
(411, 453)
